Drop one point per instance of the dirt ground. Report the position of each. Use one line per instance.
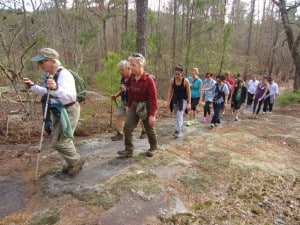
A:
(20, 134)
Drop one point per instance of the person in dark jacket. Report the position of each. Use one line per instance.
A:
(238, 98)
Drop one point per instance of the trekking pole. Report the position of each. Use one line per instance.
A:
(42, 135)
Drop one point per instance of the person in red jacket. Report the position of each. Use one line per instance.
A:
(141, 105)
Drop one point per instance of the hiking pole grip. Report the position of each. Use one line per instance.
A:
(42, 135)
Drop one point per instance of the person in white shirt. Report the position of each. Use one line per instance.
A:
(60, 85)
(270, 98)
(251, 86)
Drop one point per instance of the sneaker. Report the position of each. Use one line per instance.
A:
(191, 122)
(236, 119)
(143, 135)
(75, 169)
(125, 153)
(117, 137)
(209, 118)
(195, 121)
(263, 112)
(204, 120)
(176, 134)
(212, 125)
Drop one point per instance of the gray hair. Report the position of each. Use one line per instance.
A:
(139, 58)
(124, 64)
(57, 63)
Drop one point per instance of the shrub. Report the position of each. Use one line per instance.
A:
(289, 98)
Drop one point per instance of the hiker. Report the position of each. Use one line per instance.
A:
(252, 85)
(195, 86)
(229, 81)
(208, 97)
(271, 97)
(125, 72)
(233, 101)
(64, 107)
(221, 92)
(141, 105)
(238, 98)
(179, 98)
(259, 95)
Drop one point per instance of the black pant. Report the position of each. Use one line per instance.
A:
(249, 99)
(217, 109)
(207, 108)
(268, 104)
(259, 103)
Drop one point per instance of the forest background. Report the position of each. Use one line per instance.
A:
(237, 36)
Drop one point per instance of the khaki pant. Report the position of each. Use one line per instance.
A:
(131, 123)
(60, 142)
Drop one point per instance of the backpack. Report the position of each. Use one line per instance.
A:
(80, 84)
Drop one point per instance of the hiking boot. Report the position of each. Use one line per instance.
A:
(125, 153)
(66, 169)
(150, 152)
(117, 137)
(143, 135)
(75, 169)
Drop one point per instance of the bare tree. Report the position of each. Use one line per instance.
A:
(292, 40)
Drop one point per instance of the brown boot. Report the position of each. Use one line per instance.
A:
(150, 152)
(125, 153)
(66, 169)
(76, 168)
(143, 135)
(117, 137)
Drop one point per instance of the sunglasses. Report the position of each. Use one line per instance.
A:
(137, 55)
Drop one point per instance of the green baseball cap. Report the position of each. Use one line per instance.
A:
(44, 54)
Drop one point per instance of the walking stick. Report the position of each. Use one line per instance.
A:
(42, 134)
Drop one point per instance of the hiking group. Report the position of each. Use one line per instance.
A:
(138, 102)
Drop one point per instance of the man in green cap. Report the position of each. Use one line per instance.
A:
(61, 84)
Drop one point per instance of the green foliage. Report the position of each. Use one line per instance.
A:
(128, 39)
(289, 98)
(86, 36)
(109, 77)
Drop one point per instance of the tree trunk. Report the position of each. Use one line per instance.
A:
(141, 26)
(174, 34)
(292, 42)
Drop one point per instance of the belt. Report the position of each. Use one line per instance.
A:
(69, 104)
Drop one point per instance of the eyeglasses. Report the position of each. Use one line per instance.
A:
(137, 55)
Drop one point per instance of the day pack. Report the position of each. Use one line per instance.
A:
(79, 84)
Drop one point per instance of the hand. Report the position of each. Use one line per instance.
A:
(51, 84)
(189, 106)
(28, 83)
(151, 120)
(123, 88)
(113, 97)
